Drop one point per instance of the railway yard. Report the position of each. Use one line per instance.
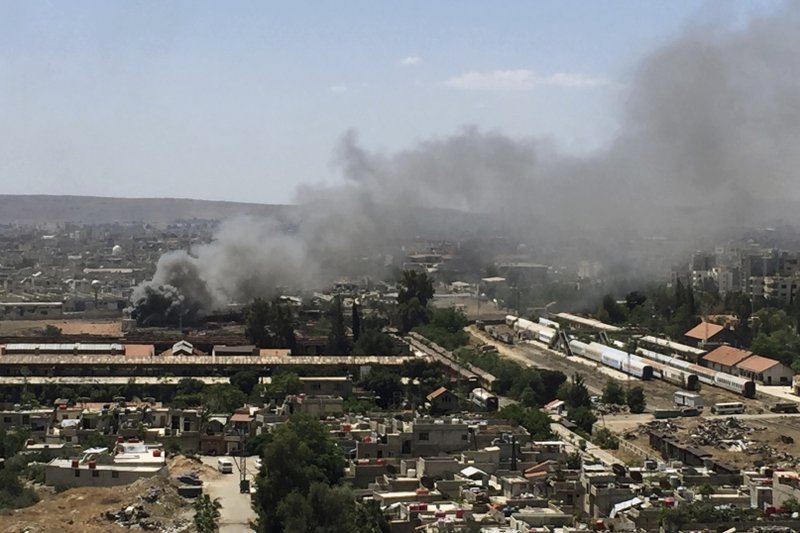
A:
(659, 393)
(745, 441)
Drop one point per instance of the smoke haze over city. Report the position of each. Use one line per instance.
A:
(707, 139)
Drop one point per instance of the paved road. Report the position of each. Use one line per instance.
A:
(236, 512)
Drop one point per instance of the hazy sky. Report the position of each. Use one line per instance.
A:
(244, 101)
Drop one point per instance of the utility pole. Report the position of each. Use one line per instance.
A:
(244, 483)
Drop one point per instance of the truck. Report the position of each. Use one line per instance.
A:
(666, 413)
(784, 407)
(688, 399)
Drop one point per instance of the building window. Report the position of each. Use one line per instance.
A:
(95, 473)
(6, 420)
(464, 436)
(114, 474)
(424, 435)
(187, 425)
(77, 473)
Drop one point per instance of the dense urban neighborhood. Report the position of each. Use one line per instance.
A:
(435, 398)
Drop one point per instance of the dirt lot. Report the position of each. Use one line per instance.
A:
(84, 509)
(67, 327)
(739, 441)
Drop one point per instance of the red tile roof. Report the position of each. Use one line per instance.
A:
(140, 351)
(435, 394)
(757, 364)
(727, 356)
(704, 331)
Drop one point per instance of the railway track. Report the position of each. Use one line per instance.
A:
(659, 393)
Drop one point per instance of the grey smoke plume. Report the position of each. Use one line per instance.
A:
(709, 137)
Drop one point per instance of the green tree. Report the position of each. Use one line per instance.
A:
(51, 331)
(369, 518)
(615, 312)
(300, 454)
(613, 393)
(374, 342)
(583, 417)
(206, 514)
(270, 324)
(791, 505)
(706, 490)
(575, 393)
(386, 385)
(338, 342)
(415, 290)
(605, 439)
(574, 460)
(189, 386)
(223, 398)
(740, 305)
(245, 380)
(446, 328)
(284, 383)
(636, 400)
(537, 422)
(634, 299)
(355, 321)
(11, 442)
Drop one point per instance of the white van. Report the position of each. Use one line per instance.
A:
(225, 465)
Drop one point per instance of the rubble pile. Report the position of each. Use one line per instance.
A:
(728, 434)
(137, 516)
(134, 516)
(661, 426)
(724, 433)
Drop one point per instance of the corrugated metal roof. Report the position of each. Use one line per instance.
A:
(63, 348)
(168, 360)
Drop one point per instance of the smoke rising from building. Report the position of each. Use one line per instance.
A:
(708, 138)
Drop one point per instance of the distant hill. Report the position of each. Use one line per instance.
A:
(433, 223)
(39, 209)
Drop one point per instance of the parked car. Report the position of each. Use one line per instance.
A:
(190, 479)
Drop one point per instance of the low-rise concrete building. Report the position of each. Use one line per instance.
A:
(725, 359)
(97, 468)
(327, 386)
(765, 370)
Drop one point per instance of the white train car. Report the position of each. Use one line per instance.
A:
(630, 364)
(672, 347)
(682, 378)
(549, 323)
(483, 398)
(745, 387)
(695, 374)
(578, 348)
(532, 330)
(665, 359)
(594, 351)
